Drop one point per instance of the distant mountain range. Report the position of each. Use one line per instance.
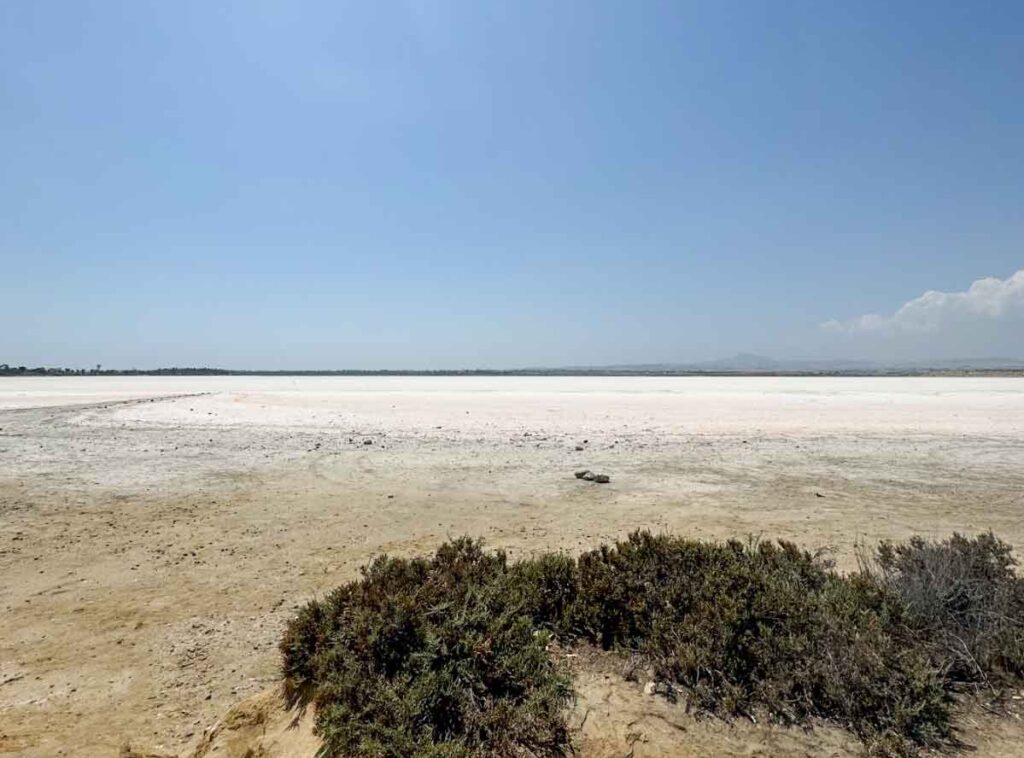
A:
(751, 363)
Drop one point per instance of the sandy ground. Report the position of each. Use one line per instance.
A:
(156, 533)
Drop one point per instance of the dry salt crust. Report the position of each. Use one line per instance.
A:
(156, 532)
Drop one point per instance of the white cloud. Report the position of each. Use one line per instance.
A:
(986, 300)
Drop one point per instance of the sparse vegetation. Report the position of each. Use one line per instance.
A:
(965, 601)
(448, 656)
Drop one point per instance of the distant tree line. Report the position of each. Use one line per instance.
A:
(98, 370)
(7, 370)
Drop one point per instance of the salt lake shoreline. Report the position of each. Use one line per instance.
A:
(157, 532)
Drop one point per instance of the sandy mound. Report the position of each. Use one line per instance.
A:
(612, 717)
(260, 727)
(616, 717)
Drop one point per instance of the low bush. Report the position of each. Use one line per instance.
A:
(749, 627)
(427, 657)
(448, 656)
(965, 601)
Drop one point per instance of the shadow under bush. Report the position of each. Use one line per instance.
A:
(448, 655)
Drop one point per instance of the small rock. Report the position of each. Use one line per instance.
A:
(589, 476)
(579, 448)
(367, 442)
(651, 688)
(818, 494)
(582, 473)
(602, 478)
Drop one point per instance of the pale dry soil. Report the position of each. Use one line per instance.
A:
(156, 534)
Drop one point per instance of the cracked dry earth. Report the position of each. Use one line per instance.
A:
(156, 534)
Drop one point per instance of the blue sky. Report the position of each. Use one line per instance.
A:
(438, 184)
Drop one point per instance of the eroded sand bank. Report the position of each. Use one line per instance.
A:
(155, 533)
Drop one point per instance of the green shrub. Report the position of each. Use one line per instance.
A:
(762, 627)
(448, 656)
(427, 658)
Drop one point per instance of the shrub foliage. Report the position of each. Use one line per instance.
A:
(448, 656)
(965, 600)
(427, 657)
